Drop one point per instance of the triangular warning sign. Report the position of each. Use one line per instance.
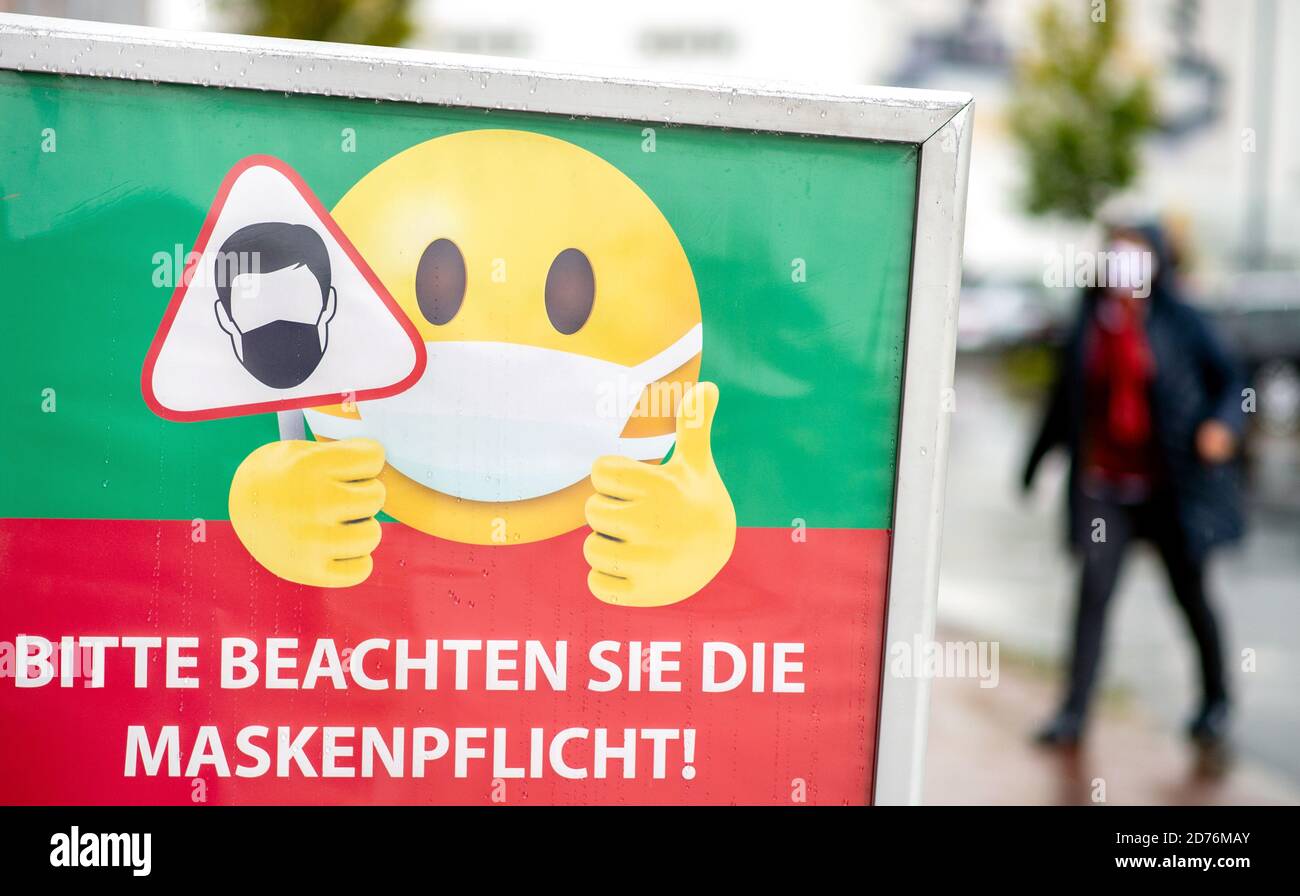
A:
(276, 310)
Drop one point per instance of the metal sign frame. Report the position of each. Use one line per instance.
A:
(938, 123)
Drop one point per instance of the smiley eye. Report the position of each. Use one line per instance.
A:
(570, 291)
(440, 281)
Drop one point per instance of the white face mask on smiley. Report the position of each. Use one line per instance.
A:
(497, 421)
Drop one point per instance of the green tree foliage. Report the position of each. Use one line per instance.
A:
(385, 23)
(1078, 112)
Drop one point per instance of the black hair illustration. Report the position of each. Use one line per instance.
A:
(267, 247)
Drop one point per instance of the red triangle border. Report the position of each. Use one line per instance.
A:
(196, 253)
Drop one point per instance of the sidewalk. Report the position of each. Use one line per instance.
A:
(980, 752)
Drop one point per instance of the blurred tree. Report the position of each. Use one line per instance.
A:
(1078, 113)
(384, 23)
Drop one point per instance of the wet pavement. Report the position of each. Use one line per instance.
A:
(978, 754)
(1006, 576)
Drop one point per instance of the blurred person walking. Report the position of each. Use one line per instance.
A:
(1147, 403)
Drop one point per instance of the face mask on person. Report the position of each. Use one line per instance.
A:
(494, 421)
(1129, 267)
(281, 354)
(280, 343)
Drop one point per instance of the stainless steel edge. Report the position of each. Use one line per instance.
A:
(922, 457)
(67, 46)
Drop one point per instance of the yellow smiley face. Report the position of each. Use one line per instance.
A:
(507, 236)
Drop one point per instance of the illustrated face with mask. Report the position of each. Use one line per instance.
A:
(552, 296)
(275, 301)
(498, 422)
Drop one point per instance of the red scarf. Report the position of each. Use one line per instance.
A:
(1122, 357)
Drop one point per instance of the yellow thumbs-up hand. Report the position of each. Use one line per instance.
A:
(660, 533)
(305, 510)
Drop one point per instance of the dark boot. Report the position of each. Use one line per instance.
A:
(1210, 725)
(1064, 730)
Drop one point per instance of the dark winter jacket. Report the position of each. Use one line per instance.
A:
(1195, 379)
